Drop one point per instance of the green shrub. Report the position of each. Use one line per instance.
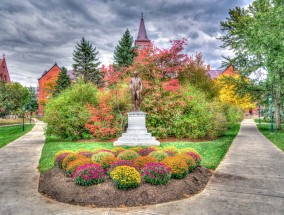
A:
(159, 155)
(100, 155)
(128, 155)
(67, 114)
(125, 177)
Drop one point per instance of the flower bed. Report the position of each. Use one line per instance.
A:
(134, 174)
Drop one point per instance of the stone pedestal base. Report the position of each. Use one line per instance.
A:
(136, 134)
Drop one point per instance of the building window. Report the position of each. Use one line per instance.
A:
(139, 46)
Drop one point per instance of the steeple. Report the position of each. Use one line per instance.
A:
(142, 38)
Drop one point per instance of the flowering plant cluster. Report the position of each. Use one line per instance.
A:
(128, 155)
(142, 161)
(178, 166)
(100, 155)
(72, 166)
(58, 159)
(69, 158)
(125, 177)
(84, 152)
(159, 155)
(146, 151)
(156, 173)
(189, 160)
(89, 174)
(171, 150)
(107, 161)
(128, 168)
(122, 163)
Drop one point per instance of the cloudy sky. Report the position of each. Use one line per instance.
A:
(36, 33)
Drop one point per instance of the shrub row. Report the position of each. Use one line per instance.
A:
(127, 167)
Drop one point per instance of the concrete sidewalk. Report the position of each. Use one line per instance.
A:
(250, 180)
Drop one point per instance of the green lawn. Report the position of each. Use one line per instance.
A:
(212, 152)
(10, 133)
(277, 137)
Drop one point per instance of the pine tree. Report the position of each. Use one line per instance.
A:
(62, 82)
(124, 52)
(87, 62)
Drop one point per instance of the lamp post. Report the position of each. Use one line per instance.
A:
(23, 119)
(271, 114)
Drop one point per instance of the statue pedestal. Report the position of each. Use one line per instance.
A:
(136, 134)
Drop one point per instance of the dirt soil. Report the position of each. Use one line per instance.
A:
(56, 185)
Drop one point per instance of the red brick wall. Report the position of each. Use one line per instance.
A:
(142, 44)
(51, 75)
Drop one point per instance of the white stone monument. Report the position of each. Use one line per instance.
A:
(136, 133)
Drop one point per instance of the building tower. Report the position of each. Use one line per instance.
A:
(4, 74)
(142, 40)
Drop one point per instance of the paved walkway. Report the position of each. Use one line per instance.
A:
(250, 180)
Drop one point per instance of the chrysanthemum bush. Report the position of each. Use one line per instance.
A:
(125, 177)
(156, 173)
(69, 158)
(128, 155)
(189, 160)
(107, 161)
(171, 150)
(177, 165)
(159, 155)
(146, 151)
(58, 159)
(193, 153)
(141, 161)
(85, 152)
(122, 163)
(89, 174)
(100, 155)
(117, 150)
(72, 166)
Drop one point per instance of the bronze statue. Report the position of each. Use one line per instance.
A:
(136, 91)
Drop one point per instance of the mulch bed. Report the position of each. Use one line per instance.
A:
(56, 185)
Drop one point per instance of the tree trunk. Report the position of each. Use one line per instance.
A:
(277, 101)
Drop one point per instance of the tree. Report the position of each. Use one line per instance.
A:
(228, 95)
(31, 103)
(87, 62)
(62, 82)
(125, 51)
(13, 97)
(255, 35)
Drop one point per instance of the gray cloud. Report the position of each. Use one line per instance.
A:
(36, 33)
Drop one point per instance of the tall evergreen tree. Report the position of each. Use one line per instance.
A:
(124, 52)
(86, 62)
(62, 82)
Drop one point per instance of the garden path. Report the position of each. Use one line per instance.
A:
(250, 180)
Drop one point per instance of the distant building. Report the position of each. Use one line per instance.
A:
(142, 40)
(215, 73)
(46, 81)
(4, 73)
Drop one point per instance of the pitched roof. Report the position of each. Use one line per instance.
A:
(142, 34)
(46, 71)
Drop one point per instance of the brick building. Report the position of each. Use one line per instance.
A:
(4, 73)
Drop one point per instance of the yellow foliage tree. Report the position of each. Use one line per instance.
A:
(228, 95)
